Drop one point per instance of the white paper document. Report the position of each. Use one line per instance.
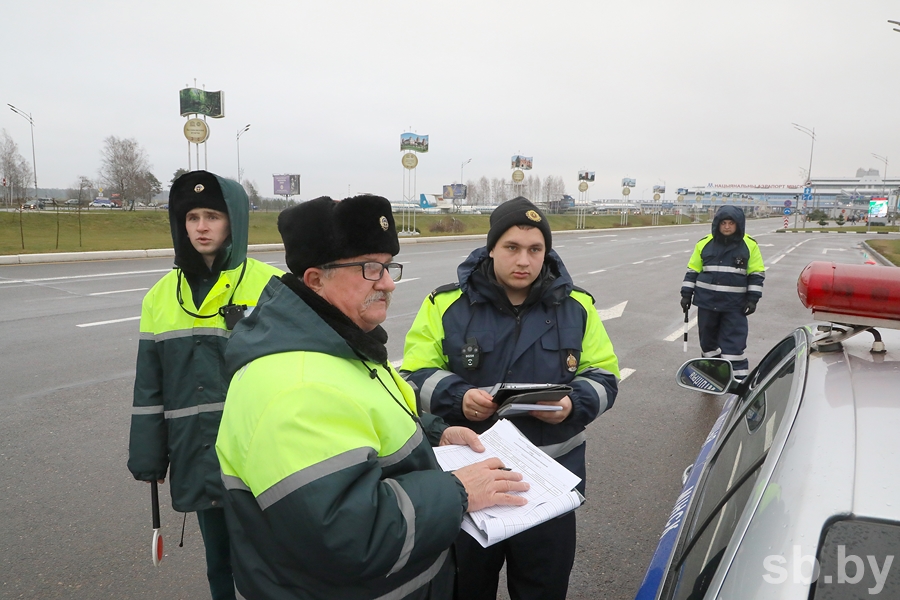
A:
(551, 493)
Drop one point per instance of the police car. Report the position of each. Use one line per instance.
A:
(796, 491)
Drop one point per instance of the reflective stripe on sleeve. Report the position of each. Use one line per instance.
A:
(418, 581)
(754, 288)
(195, 410)
(687, 283)
(598, 389)
(234, 483)
(409, 515)
(429, 386)
(404, 451)
(147, 410)
(297, 480)
(557, 450)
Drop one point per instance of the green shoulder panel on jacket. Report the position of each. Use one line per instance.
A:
(597, 349)
(755, 264)
(422, 348)
(696, 261)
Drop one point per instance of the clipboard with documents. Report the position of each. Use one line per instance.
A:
(520, 398)
(551, 492)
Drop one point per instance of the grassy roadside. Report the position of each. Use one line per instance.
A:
(140, 230)
(890, 249)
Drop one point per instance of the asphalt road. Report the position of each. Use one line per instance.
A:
(74, 524)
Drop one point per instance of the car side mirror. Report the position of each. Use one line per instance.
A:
(710, 375)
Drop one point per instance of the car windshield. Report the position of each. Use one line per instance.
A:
(732, 472)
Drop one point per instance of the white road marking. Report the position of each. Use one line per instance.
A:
(108, 322)
(407, 279)
(678, 334)
(613, 312)
(595, 272)
(638, 262)
(70, 277)
(825, 250)
(775, 260)
(625, 373)
(593, 237)
(675, 241)
(119, 292)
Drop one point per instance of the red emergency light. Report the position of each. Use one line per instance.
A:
(851, 294)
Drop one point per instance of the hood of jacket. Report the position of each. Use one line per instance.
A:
(233, 251)
(729, 212)
(282, 322)
(554, 281)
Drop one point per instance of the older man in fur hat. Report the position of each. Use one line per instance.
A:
(515, 316)
(333, 490)
(179, 387)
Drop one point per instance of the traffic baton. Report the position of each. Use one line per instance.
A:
(157, 545)
(685, 329)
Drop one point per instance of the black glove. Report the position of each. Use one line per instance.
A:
(749, 307)
(685, 303)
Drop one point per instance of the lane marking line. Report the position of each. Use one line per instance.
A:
(108, 322)
(678, 334)
(119, 292)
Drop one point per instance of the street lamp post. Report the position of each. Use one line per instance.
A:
(812, 134)
(27, 117)
(238, 138)
(461, 180)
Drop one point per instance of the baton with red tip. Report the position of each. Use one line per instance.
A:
(157, 546)
(685, 329)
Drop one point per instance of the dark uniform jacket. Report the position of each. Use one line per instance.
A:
(555, 337)
(724, 272)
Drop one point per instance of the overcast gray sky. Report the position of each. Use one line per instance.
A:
(686, 92)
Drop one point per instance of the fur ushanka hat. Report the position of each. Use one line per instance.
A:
(323, 230)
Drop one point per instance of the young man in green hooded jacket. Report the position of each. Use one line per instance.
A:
(180, 386)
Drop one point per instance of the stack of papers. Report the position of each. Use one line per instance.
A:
(551, 493)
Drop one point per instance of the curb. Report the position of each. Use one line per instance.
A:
(874, 253)
(55, 257)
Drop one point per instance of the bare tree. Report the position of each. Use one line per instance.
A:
(124, 164)
(14, 168)
(148, 186)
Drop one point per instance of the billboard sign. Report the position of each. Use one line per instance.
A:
(522, 162)
(682, 191)
(201, 102)
(586, 176)
(659, 189)
(286, 185)
(456, 191)
(628, 182)
(414, 142)
(878, 207)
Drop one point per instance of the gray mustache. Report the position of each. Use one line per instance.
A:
(377, 296)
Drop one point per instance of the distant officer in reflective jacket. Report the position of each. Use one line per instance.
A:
(725, 281)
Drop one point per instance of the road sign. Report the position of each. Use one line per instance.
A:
(787, 211)
(807, 191)
(787, 202)
(786, 223)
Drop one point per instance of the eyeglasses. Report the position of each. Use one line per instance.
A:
(371, 270)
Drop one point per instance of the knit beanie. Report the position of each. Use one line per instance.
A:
(323, 230)
(518, 211)
(196, 189)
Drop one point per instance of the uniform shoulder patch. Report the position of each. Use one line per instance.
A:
(441, 289)
(575, 288)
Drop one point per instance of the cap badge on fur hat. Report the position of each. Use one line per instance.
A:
(199, 188)
(532, 215)
(384, 223)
